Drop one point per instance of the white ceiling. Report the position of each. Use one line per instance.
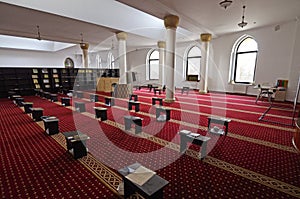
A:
(99, 20)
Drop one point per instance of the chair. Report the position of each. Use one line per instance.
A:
(159, 89)
(265, 91)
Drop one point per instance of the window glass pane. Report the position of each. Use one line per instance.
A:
(154, 55)
(112, 61)
(194, 52)
(154, 69)
(245, 67)
(193, 66)
(248, 44)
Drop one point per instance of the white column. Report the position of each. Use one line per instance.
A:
(205, 38)
(85, 58)
(171, 23)
(161, 45)
(122, 36)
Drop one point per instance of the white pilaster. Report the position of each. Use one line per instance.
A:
(122, 36)
(205, 38)
(171, 23)
(85, 57)
(161, 45)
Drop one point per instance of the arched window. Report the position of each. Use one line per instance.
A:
(193, 63)
(153, 65)
(244, 60)
(110, 61)
(98, 61)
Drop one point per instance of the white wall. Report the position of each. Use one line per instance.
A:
(28, 58)
(276, 52)
(278, 57)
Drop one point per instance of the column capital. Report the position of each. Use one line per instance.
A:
(84, 46)
(161, 44)
(171, 21)
(121, 36)
(205, 37)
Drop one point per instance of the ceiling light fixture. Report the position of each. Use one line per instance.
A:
(243, 23)
(226, 3)
(38, 33)
(82, 44)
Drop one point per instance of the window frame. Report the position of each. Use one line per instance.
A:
(192, 57)
(149, 64)
(235, 58)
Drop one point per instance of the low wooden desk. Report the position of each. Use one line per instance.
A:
(152, 189)
(27, 106)
(134, 96)
(218, 120)
(76, 143)
(166, 111)
(109, 101)
(46, 95)
(53, 97)
(136, 104)
(14, 97)
(50, 124)
(155, 99)
(101, 112)
(11, 93)
(19, 101)
(128, 120)
(198, 140)
(185, 89)
(151, 86)
(94, 98)
(65, 101)
(37, 113)
(80, 106)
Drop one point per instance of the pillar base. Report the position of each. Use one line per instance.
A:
(202, 92)
(169, 100)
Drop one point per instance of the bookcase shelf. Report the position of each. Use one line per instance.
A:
(25, 80)
(18, 79)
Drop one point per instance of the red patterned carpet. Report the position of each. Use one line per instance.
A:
(33, 165)
(255, 160)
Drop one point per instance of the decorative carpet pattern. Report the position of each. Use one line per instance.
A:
(275, 184)
(33, 165)
(234, 177)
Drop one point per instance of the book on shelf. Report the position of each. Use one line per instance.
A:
(34, 71)
(44, 71)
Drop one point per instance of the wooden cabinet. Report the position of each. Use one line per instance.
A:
(87, 79)
(35, 78)
(68, 76)
(104, 83)
(17, 79)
